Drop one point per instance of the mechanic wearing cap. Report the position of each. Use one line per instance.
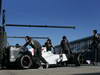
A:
(95, 44)
(65, 46)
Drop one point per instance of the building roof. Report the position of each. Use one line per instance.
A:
(82, 39)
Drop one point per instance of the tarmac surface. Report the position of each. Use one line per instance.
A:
(82, 70)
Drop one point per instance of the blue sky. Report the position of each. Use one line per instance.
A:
(84, 14)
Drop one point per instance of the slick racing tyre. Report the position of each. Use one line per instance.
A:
(80, 59)
(25, 62)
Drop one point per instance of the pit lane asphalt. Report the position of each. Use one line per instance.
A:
(82, 70)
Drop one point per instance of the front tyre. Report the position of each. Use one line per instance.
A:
(25, 62)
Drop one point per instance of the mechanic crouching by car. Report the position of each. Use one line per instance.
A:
(37, 49)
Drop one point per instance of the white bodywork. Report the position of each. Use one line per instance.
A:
(50, 57)
(13, 53)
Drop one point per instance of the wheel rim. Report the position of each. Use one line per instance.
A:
(26, 61)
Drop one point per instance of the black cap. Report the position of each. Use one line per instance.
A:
(28, 37)
(64, 37)
(95, 31)
(49, 40)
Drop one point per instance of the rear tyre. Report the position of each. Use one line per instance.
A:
(81, 59)
(76, 61)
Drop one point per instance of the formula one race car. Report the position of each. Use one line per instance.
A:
(51, 58)
(20, 57)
